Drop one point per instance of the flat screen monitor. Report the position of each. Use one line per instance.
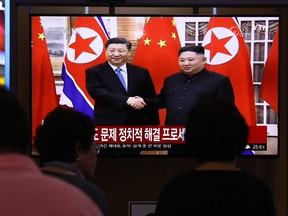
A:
(242, 48)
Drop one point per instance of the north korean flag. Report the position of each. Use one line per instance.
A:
(85, 49)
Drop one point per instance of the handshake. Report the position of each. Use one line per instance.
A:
(136, 102)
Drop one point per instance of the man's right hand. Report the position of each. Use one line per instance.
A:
(136, 102)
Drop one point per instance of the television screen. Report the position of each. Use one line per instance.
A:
(243, 48)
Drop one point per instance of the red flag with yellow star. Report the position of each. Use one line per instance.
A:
(269, 90)
(44, 98)
(158, 51)
(227, 54)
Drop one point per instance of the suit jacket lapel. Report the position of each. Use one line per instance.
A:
(112, 76)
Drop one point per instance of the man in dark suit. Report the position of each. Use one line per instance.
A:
(193, 84)
(183, 90)
(125, 100)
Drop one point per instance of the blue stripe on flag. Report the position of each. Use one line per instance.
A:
(70, 90)
(103, 26)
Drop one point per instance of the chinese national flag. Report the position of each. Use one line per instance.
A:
(44, 98)
(85, 49)
(227, 54)
(269, 90)
(158, 51)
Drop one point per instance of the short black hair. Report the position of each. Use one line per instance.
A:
(62, 129)
(216, 131)
(119, 40)
(14, 130)
(197, 49)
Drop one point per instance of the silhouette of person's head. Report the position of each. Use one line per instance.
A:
(13, 124)
(67, 135)
(216, 131)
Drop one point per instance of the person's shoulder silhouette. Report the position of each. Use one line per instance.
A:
(67, 150)
(24, 189)
(216, 134)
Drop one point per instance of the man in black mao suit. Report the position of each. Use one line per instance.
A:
(193, 84)
(183, 90)
(114, 105)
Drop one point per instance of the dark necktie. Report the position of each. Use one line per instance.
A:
(120, 76)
